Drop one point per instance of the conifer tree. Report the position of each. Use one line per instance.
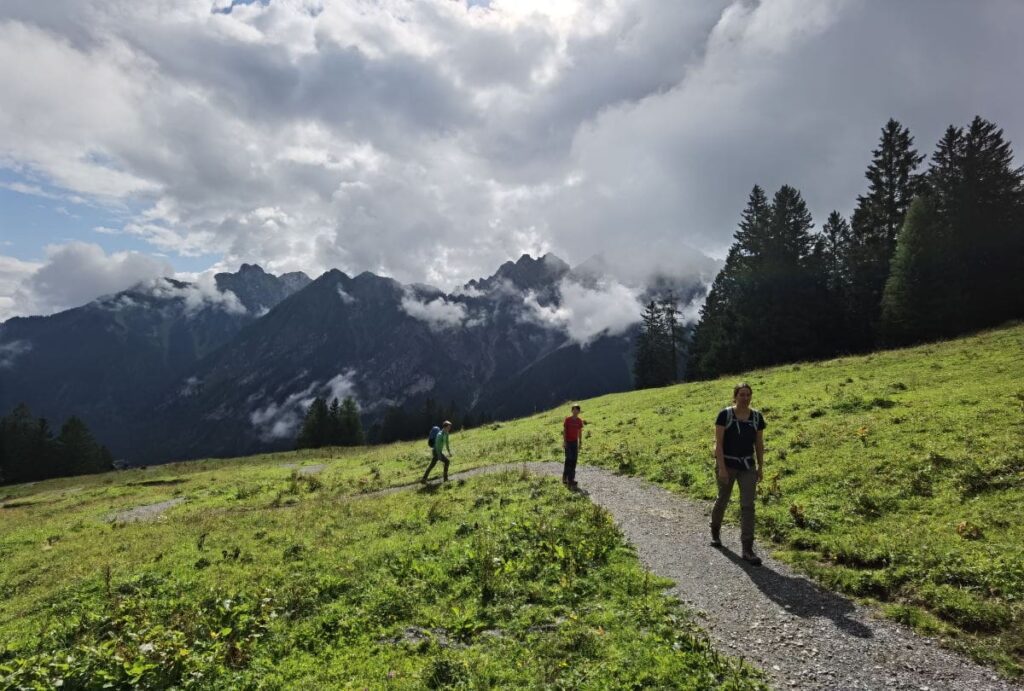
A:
(835, 242)
(335, 434)
(917, 304)
(980, 196)
(315, 427)
(673, 338)
(893, 182)
(649, 347)
(766, 304)
(718, 343)
(78, 451)
(350, 425)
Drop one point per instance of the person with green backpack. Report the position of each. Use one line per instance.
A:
(438, 442)
(739, 458)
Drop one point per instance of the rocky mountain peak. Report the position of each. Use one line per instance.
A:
(526, 273)
(256, 289)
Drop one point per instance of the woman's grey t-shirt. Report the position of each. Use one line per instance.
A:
(740, 436)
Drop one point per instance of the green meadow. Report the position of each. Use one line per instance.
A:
(268, 578)
(896, 477)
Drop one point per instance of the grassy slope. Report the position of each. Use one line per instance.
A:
(897, 476)
(269, 579)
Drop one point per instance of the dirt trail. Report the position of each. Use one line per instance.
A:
(801, 635)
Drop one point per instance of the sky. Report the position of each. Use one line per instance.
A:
(433, 140)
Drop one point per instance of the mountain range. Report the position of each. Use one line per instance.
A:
(172, 370)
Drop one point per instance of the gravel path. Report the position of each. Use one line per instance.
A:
(801, 635)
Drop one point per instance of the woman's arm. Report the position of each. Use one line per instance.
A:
(723, 471)
(759, 448)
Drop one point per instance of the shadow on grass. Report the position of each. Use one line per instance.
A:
(801, 597)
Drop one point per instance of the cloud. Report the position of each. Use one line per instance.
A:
(74, 274)
(12, 273)
(432, 141)
(197, 296)
(345, 297)
(439, 314)
(9, 352)
(276, 421)
(586, 312)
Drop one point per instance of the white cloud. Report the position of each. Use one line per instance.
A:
(75, 273)
(276, 421)
(609, 308)
(9, 352)
(431, 141)
(281, 420)
(345, 297)
(439, 314)
(12, 273)
(198, 295)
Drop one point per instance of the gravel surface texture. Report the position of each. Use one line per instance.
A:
(801, 635)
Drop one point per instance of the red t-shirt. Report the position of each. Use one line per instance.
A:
(573, 428)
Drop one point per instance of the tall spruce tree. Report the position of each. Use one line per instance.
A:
(917, 304)
(335, 435)
(78, 452)
(766, 304)
(834, 250)
(718, 344)
(649, 349)
(980, 196)
(893, 182)
(673, 337)
(19, 445)
(316, 426)
(349, 423)
(793, 316)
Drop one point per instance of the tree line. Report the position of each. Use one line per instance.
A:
(337, 425)
(29, 451)
(659, 344)
(402, 424)
(340, 424)
(926, 254)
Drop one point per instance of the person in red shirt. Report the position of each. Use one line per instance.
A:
(572, 439)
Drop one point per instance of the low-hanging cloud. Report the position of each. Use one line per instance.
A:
(9, 352)
(345, 297)
(439, 313)
(281, 420)
(198, 295)
(586, 312)
(78, 272)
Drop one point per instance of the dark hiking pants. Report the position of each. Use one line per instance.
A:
(572, 452)
(747, 480)
(437, 455)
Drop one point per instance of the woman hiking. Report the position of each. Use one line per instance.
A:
(437, 448)
(739, 458)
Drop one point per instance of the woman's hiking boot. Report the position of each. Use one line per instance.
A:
(748, 553)
(716, 537)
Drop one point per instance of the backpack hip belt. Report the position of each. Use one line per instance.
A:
(745, 460)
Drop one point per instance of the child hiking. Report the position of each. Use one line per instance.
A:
(572, 439)
(739, 458)
(438, 444)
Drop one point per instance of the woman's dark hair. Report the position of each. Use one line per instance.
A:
(742, 385)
